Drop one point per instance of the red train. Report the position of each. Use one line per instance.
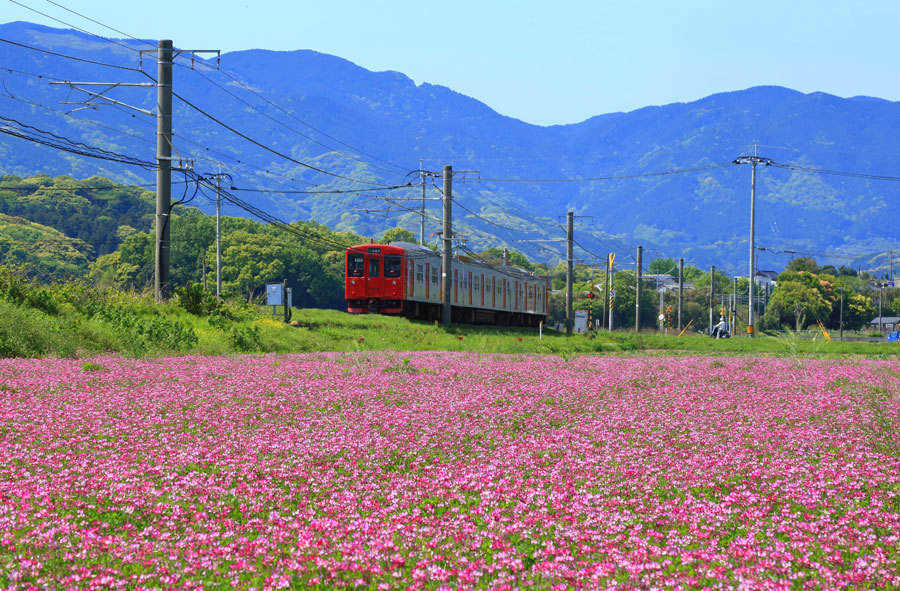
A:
(405, 279)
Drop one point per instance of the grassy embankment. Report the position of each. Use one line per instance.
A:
(76, 320)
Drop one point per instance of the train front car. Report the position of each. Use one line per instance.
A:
(374, 279)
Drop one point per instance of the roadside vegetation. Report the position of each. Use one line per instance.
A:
(76, 319)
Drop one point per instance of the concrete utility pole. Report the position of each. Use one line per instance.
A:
(753, 160)
(164, 167)
(712, 292)
(606, 291)
(734, 307)
(218, 236)
(680, 290)
(422, 211)
(570, 271)
(637, 291)
(842, 313)
(447, 237)
(612, 291)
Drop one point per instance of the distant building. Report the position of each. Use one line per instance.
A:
(764, 278)
(663, 282)
(886, 322)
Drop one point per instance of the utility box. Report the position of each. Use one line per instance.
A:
(274, 294)
(581, 323)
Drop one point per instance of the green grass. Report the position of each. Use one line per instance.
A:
(76, 321)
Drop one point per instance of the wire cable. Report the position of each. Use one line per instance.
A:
(610, 178)
(288, 127)
(71, 26)
(70, 57)
(267, 148)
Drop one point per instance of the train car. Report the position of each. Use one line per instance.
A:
(405, 279)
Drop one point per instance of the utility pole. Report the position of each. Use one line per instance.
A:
(612, 292)
(218, 235)
(712, 294)
(165, 55)
(447, 237)
(753, 160)
(422, 211)
(734, 307)
(163, 166)
(680, 290)
(505, 256)
(570, 223)
(637, 291)
(842, 312)
(606, 292)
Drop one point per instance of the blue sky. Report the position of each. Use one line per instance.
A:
(544, 62)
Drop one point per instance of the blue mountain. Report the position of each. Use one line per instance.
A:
(308, 112)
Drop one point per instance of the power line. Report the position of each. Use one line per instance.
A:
(324, 191)
(810, 169)
(70, 57)
(609, 178)
(144, 41)
(70, 25)
(63, 113)
(50, 139)
(267, 148)
(288, 127)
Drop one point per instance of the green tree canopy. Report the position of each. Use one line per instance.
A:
(807, 264)
(398, 235)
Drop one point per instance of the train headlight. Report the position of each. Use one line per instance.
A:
(394, 282)
(353, 282)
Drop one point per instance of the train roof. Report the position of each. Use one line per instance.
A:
(400, 247)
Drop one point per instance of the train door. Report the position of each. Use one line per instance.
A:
(410, 278)
(516, 296)
(427, 280)
(505, 291)
(483, 287)
(374, 278)
(470, 302)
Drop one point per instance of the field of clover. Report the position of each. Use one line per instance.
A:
(449, 471)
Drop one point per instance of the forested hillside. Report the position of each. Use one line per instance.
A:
(62, 227)
(321, 123)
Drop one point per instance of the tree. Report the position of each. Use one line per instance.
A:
(249, 261)
(858, 311)
(623, 302)
(663, 267)
(795, 302)
(807, 264)
(398, 235)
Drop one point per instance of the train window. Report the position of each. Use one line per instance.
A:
(420, 273)
(392, 266)
(434, 276)
(374, 267)
(477, 283)
(355, 265)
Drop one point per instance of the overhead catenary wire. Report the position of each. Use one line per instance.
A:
(71, 26)
(608, 178)
(96, 22)
(288, 127)
(268, 148)
(70, 57)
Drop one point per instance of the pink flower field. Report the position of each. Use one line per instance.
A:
(449, 471)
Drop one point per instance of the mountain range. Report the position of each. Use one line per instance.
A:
(273, 120)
